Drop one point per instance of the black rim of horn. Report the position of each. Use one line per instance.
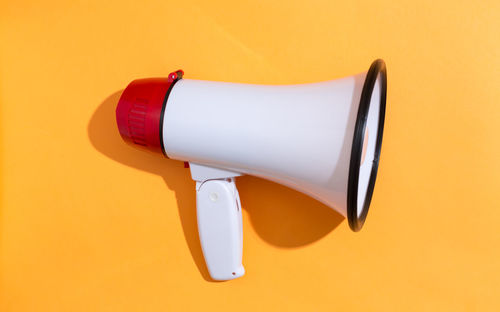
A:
(356, 221)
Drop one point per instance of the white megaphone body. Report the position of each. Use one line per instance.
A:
(322, 139)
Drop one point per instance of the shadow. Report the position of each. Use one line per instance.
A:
(280, 216)
(284, 217)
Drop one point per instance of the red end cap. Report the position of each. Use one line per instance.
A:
(139, 110)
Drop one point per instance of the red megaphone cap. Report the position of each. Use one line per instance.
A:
(139, 113)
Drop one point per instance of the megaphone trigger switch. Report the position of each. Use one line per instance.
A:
(213, 197)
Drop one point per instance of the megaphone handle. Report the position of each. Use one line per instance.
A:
(220, 227)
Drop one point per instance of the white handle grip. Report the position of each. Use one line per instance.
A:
(220, 227)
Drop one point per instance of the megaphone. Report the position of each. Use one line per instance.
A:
(322, 139)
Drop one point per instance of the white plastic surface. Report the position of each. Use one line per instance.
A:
(296, 135)
(202, 173)
(220, 228)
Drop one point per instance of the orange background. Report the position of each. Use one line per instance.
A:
(91, 224)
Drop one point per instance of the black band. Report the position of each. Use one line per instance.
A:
(356, 222)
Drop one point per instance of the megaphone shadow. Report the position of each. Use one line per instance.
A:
(281, 216)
